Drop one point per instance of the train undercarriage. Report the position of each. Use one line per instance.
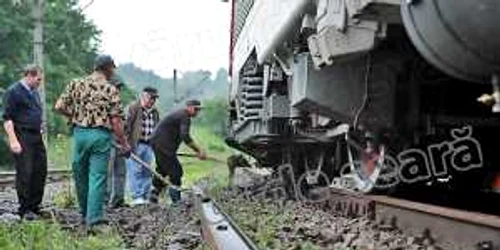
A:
(358, 108)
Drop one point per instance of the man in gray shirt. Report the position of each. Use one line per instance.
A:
(165, 140)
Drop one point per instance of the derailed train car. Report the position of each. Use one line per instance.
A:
(370, 93)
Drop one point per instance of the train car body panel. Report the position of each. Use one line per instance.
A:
(266, 26)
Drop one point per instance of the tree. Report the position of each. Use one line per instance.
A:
(70, 43)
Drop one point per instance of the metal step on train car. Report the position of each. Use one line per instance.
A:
(368, 94)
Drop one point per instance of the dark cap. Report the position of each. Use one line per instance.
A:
(151, 91)
(194, 103)
(102, 61)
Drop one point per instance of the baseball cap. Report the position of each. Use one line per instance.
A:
(151, 91)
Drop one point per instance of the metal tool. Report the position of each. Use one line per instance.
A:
(195, 156)
(151, 169)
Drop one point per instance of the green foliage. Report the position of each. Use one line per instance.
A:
(70, 45)
(214, 115)
(195, 169)
(43, 236)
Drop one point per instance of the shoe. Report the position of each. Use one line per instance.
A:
(120, 204)
(153, 199)
(30, 216)
(139, 201)
(100, 229)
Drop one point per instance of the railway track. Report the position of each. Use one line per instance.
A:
(8, 179)
(446, 228)
(218, 229)
(449, 228)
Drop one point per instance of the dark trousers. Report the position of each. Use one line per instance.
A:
(167, 164)
(31, 171)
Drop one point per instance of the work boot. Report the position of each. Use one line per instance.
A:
(175, 195)
(100, 228)
(119, 204)
(153, 198)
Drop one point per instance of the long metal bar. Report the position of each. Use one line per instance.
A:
(8, 179)
(449, 228)
(218, 229)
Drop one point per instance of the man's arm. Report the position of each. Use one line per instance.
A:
(15, 146)
(9, 103)
(130, 120)
(116, 118)
(117, 125)
(185, 124)
(64, 102)
(59, 107)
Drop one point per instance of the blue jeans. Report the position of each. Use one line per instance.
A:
(139, 177)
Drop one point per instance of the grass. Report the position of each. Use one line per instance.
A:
(59, 150)
(45, 236)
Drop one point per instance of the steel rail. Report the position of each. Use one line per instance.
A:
(8, 178)
(449, 228)
(218, 229)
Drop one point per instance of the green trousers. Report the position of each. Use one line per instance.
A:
(91, 150)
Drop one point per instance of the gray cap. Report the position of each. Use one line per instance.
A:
(103, 60)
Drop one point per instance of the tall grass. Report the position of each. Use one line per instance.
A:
(214, 145)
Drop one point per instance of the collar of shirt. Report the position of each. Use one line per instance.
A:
(98, 77)
(146, 110)
(26, 86)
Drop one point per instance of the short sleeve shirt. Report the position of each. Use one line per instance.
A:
(91, 101)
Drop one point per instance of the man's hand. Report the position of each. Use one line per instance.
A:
(125, 150)
(15, 147)
(201, 155)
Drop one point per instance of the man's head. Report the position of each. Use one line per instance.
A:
(148, 97)
(33, 75)
(193, 107)
(105, 64)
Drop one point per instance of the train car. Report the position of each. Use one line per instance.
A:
(368, 94)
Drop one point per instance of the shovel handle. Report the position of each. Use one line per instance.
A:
(150, 168)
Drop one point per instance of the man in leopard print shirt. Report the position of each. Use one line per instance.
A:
(94, 109)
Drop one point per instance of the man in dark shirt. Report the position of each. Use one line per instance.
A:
(22, 123)
(165, 140)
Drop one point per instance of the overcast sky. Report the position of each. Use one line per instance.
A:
(161, 35)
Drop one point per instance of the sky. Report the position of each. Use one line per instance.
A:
(161, 35)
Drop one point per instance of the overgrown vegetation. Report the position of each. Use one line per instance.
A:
(195, 169)
(45, 236)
